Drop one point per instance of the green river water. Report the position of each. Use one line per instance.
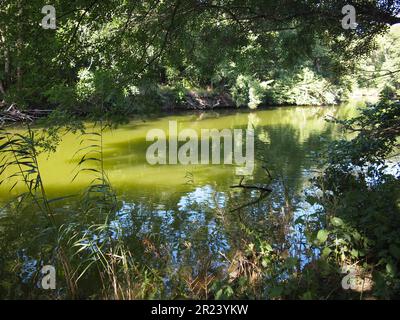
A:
(184, 204)
(286, 138)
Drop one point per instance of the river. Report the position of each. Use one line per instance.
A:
(188, 206)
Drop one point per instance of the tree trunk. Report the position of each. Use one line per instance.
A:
(2, 90)
(6, 67)
(5, 80)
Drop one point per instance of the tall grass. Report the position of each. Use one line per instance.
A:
(91, 250)
(19, 159)
(99, 260)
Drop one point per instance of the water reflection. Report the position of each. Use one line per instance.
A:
(192, 224)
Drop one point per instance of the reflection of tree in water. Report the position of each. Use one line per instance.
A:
(193, 239)
(289, 161)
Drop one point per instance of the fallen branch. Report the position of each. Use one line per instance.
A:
(264, 192)
(12, 114)
(251, 187)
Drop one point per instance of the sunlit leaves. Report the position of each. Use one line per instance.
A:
(322, 236)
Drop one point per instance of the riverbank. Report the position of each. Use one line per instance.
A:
(200, 102)
(195, 102)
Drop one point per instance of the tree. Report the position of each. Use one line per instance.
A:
(136, 43)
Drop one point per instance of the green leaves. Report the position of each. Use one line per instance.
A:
(326, 252)
(365, 217)
(391, 269)
(224, 293)
(322, 236)
(337, 222)
(354, 253)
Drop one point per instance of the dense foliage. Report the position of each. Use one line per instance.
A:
(360, 198)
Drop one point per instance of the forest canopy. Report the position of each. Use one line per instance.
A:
(140, 55)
